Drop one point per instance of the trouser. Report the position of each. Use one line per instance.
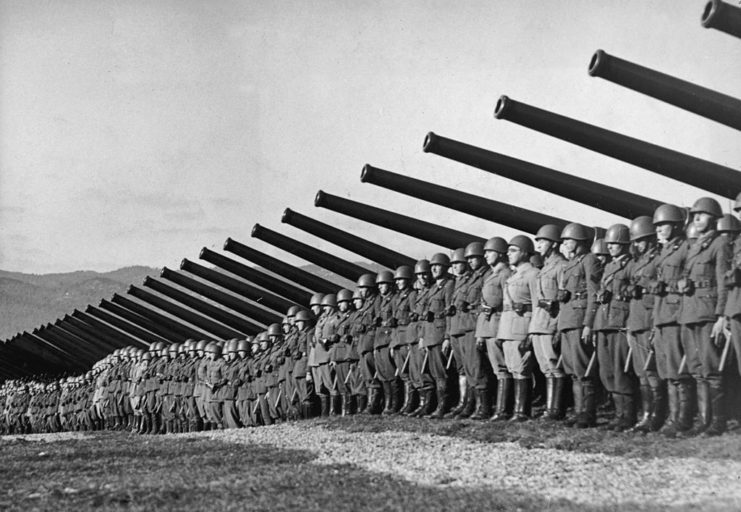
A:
(341, 369)
(495, 352)
(669, 351)
(191, 409)
(705, 364)
(546, 354)
(290, 388)
(215, 408)
(476, 363)
(322, 376)
(272, 400)
(735, 325)
(400, 356)
(230, 414)
(415, 366)
(644, 363)
(577, 355)
(519, 362)
(357, 379)
(384, 364)
(436, 362)
(457, 346)
(151, 404)
(302, 389)
(612, 353)
(243, 411)
(368, 369)
(168, 407)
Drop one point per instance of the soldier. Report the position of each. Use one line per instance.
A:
(356, 380)
(285, 375)
(732, 283)
(301, 372)
(729, 227)
(321, 371)
(642, 271)
(243, 402)
(340, 353)
(668, 221)
(487, 323)
(576, 296)
(400, 347)
(610, 328)
(544, 321)
(436, 338)
(228, 392)
(366, 320)
(702, 316)
(386, 322)
(423, 387)
(519, 289)
(215, 380)
(461, 273)
(200, 391)
(599, 249)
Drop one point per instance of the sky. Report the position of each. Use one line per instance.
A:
(137, 132)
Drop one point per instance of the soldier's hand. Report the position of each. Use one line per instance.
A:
(446, 345)
(391, 352)
(480, 344)
(586, 335)
(719, 328)
(308, 377)
(556, 341)
(526, 344)
(421, 342)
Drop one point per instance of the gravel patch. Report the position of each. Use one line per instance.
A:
(589, 479)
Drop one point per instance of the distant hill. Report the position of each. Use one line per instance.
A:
(28, 301)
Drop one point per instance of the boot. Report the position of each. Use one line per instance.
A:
(411, 397)
(686, 405)
(395, 396)
(442, 399)
(658, 416)
(578, 395)
(588, 416)
(717, 409)
(324, 399)
(647, 406)
(425, 404)
(483, 410)
(504, 400)
(463, 397)
(523, 388)
(557, 402)
(336, 405)
(617, 419)
(628, 413)
(346, 405)
(362, 401)
(703, 410)
(374, 401)
(469, 405)
(387, 399)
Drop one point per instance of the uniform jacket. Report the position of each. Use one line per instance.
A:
(437, 301)
(517, 310)
(733, 304)
(580, 277)
(642, 272)
(366, 321)
(613, 300)
(545, 304)
(492, 300)
(384, 311)
(669, 264)
(402, 306)
(706, 265)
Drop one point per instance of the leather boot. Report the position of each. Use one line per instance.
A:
(463, 397)
(578, 395)
(588, 416)
(628, 413)
(617, 418)
(670, 425)
(470, 404)
(523, 388)
(550, 385)
(374, 401)
(411, 397)
(717, 409)
(647, 406)
(362, 401)
(658, 416)
(558, 412)
(324, 400)
(387, 399)
(335, 405)
(703, 410)
(396, 391)
(346, 405)
(686, 405)
(442, 402)
(504, 400)
(425, 404)
(483, 409)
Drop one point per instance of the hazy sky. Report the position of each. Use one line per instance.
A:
(138, 132)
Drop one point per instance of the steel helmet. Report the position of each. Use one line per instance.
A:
(316, 299)
(173, 349)
(422, 267)
(330, 300)
(147, 356)
(496, 244)
(474, 250)
(440, 259)
(737, 204)
(524, 243)
(599, 248)
(213, 348)
(385, 276)
(356, 295)
(243, 346)
(231, 346)
(692, 232)
(275, 330)
(304, 315)
(459, 256)
(404, 272)
(549, 232)
(344, 295)
(367, 281)
(641, 227)
(262, 336)
(668, 213)
(729, 224)
(617, 234)
(707, 205)
(575, 231)
(292, 311)
(201, 345)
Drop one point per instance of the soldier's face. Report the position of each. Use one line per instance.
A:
(437, 271)
(491, 257)
(664, 231)
(459, 267)
(264, 345)
(703, 221)
(328, 310)
(316, 309)
(358, 303)
(615, 249)
(402, 284)
(300, 324)
(344, 306)
(569, 245)
(515, 255)
(364, 291)
(475, 262)
(384, 288)
(242, 354)
(543, 245)
(423, 279)
(641, 245)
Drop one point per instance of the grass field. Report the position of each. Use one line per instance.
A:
(372, 464)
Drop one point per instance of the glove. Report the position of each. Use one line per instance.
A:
(451, 310)
(556, 341)
(393, 322)
(526, 344)
(480, 345)
(413, 317)
(334, 339)
(378, 321)
(430, 316)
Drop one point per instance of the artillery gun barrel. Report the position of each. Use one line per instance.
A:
(374, 252)
(706, 175)
(157, 327)
(688, 96)
(129, 339)
(127, 326)
(108, 339)
(722, 16)
(184, 331)
(595, 194)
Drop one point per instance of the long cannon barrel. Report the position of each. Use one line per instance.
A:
(258, 295)
(217, 313)
(706, 175)
(688, 96)
(124, 325)
(241, 306)
(20, 365)
(67, 341)
(110, 340)
(129, 338)
(197, 319)
(595, 194)
(184, 331)
(501, 213)
(374, 252)
(325, 260)
(144, 322)
(89, 340)
(38, 350)
(43, 348)
(271, 283)
(295, 274)
(433, 233)
(722, 16)
(8, 367)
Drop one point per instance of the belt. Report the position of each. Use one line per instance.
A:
(580, 295)
(708, 283)
(526, 308)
